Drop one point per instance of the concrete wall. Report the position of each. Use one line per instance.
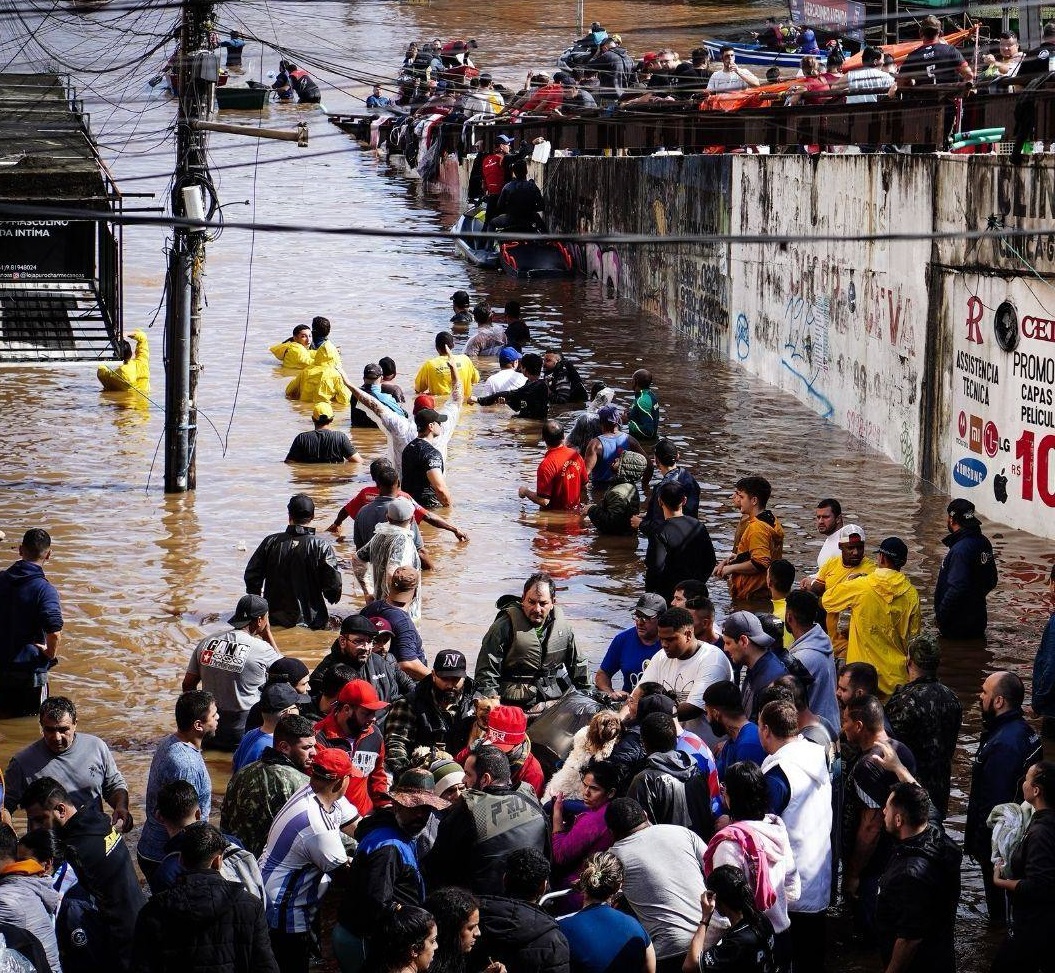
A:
(895, 341)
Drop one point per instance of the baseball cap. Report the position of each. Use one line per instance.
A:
(506, 727)
(507, 355)
(650, 605)
(372, 371)
(609, 413)
(322, 410)
(962, 509)
(656, 703)
(449, 663)
(746, 623)
(424, 402)
(404, 579)
(400, 510)
(300, 506)
(505, 139)
(384, 628)
(416, 787)
(447, 773)
(248, 609)
(331, 763)
(849, 531)
(925, 653)
(289, 668)
(277, 697)
(359, 692)
(895, 549)
(358, 625)
(425, 416)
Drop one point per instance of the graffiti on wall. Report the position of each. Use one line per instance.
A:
(805, 352)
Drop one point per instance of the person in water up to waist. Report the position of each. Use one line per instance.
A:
(296, 351)
(602, 453)
(529, 654)
(759, 541)
(134, 372)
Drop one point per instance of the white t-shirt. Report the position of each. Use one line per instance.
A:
(504, 380)
(829, 549)
(723, 80)
(689, 678)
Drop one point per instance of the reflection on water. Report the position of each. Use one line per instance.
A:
(143, 576)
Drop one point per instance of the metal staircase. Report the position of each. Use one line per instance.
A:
(54, 321)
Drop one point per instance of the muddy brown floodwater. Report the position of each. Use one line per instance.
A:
(143, 576)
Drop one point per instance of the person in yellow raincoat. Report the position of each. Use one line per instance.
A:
(134, 372)
(296, 351)
(886, 614)
(320, 381)
(850, 563)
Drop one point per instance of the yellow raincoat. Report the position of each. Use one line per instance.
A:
(133, 374)
(321, 381)
(292, 354)
(885, 617)
(833, 572)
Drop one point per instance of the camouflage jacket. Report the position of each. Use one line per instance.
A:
(255, 795)
(926, 717)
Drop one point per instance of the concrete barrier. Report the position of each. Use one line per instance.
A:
(939, 353)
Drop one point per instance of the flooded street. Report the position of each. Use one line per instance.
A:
(143, 576)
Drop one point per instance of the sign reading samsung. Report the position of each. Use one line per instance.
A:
(969, 472)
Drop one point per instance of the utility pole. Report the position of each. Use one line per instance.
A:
(198, 69)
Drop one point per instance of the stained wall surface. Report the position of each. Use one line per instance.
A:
(937, 349)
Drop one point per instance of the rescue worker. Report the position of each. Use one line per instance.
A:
(495, 173)
(134, 372)
(296, 351)
(529, 654)
(321, 381)
(967, 575)
(298, 81)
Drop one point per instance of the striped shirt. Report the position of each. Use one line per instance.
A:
(303, 847)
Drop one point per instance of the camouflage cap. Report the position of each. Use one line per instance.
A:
(925, 653)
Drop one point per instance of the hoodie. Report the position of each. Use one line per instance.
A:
(27, 900)
(203, 923)
(29, 610)
(660, 787)
(100, 858)
(918, 895)
(771, 835)
(807, 817)
(519, 935)
(813, 649)
(885, 616)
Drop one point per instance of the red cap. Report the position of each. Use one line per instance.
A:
(359, 692)
(331, 763)
(424, 402)
(506, 727)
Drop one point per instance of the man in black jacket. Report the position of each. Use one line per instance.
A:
(563, 379)
(493, 820)
(967, 575)
(204, 922)
(513, 930)
(354, 648)
(680, 549)
(296, 570)
(98, 855)
(439, 713)
(919, 889)
(667, 788)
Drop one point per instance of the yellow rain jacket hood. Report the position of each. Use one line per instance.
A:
(293, 354)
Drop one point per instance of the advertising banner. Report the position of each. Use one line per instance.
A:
(845, 17)
(47, 250)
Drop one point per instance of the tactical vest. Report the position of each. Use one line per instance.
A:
(533, 671)
(503, 823)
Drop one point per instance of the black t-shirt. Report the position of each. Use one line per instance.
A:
(871, 786)
(936, 63)
(321, 446)
(517, 334)
(419, 457)
(1039, 62)
(742, 950)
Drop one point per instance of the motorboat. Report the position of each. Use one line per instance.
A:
(482, 253)
(535, 259)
